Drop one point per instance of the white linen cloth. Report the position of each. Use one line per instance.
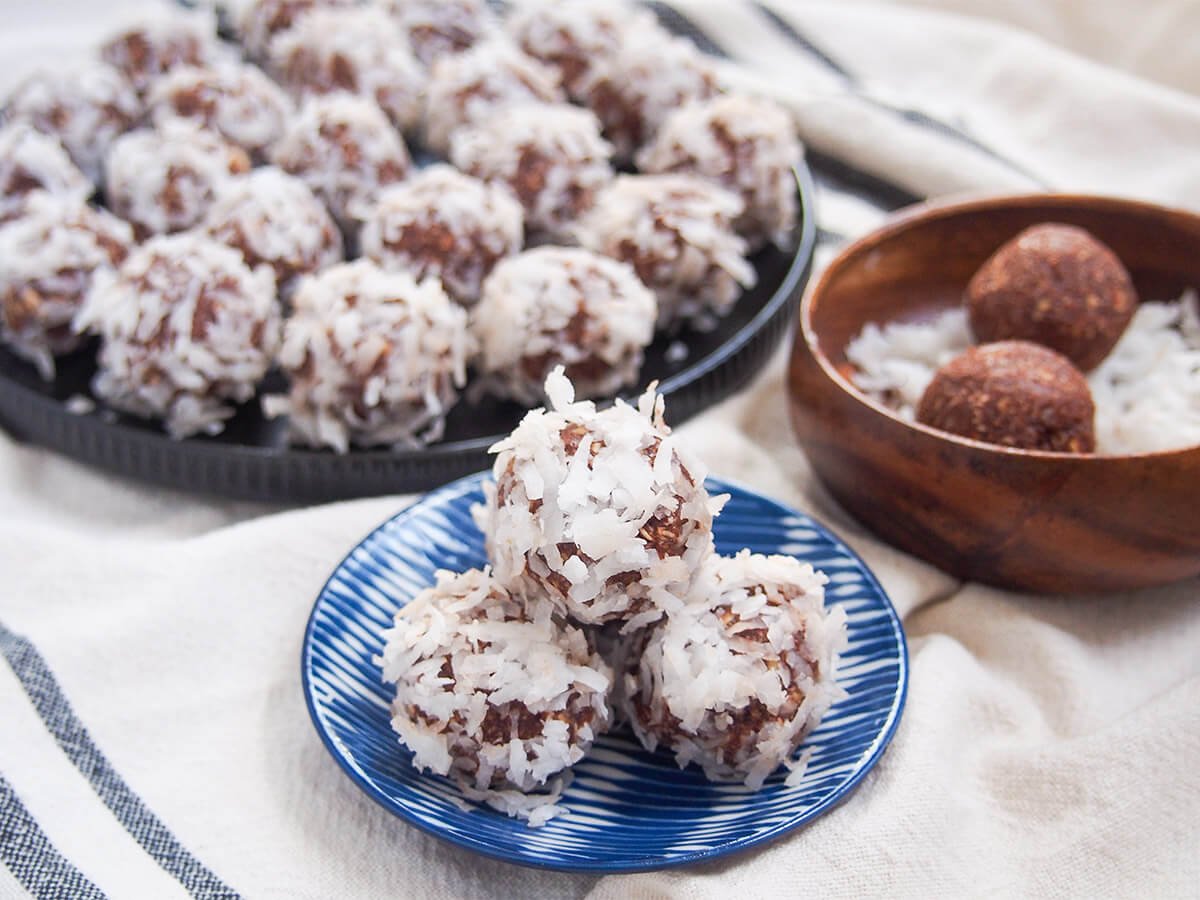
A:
(1049, 746)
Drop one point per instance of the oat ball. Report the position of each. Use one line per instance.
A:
(550, 155)
(30, 162)
(345, 149)
(603, 512)
(1058, 286)
(497, 692)
(271, 217)
(159, 43)
(437, 28)
(359, 50)
(1012, 393)
(235, 100)
(649, 77)
(257, 22)
(85, 108)
(747, 145)
(563, 306)
(164, 179)
(677, 233)
(48, 257)
(576, 36)
(735, 681)
(373, 358)
(467, 87)
(187, 330)
(443, 224)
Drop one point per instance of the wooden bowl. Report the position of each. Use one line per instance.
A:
(1029, 520)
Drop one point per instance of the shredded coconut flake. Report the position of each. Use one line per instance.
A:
(562, 305)
(747, 145)
(677, 233)
(374, 357)
(1147, 391)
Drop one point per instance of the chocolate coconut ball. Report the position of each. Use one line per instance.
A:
(160, 43)
(562, 306)
(373, 358)
(273, 218)
(257, 22)
(85, 108)
(187, 330)
(48, 258)
(32, 162)
(1012, 393)
(164, 179)
(443, 224)
(234, 100)
(735, 682)
(677, 233)
(1058, 286)
(551, 156)
(495, 691)
(577, 36)
(650, 76)
(470, 86)
(603, 512)
(360, 50)
(437, 28)
(745, 144)
(345, 149)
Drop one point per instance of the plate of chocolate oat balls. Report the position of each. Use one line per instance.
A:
(312, 250)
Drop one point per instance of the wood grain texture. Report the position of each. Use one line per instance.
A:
(1035, 521)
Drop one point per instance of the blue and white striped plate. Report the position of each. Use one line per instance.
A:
(630, 810)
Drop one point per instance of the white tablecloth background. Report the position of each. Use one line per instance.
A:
(1050, 746)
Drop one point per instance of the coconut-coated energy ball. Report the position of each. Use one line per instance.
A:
(576, 36)
(563, 306)
(1012, 393)
(746, 144)
(257, 22)
(160, 42)
(359, 50)
(273, 218)
(470, 86)
(32, 162)
(235, 100)
(677, 233)
(187, 330)
(437, 28)
(1056, 285)
(650, 76)
(48, 257)
(551, 156)
(372, 357)
(164, 179)
(734, 681)
(441, 223)
(497, 692)
(345, 149)
(86, 108)
(602, 511)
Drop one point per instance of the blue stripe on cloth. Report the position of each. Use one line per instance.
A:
(33, 860)
(73, 739)
(677, 23)
(785, 28)
(913, 117)
(831, 172)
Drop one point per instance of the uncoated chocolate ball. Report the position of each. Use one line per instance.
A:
(1058, 286)
(1014, 393)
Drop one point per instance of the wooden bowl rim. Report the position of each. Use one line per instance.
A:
(929, 210)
